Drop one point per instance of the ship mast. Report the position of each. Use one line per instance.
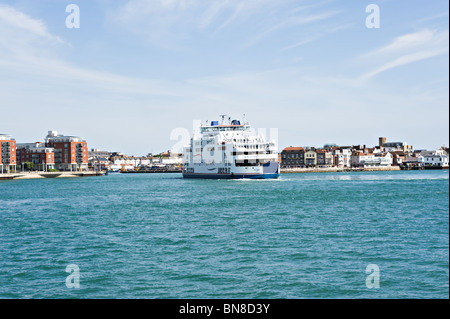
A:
(223, 118)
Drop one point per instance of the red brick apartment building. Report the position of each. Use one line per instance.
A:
(70, 152)
(8, 161)
(43, 158)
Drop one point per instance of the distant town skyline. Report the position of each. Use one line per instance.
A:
(168, 148)
(136, 70)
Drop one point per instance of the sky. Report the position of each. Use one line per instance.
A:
(137, 72)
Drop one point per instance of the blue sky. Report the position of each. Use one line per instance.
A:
(135, 70)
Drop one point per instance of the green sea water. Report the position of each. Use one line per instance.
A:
(162, 236)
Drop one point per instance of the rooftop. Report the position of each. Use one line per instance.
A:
(6, 137)
(293, 149)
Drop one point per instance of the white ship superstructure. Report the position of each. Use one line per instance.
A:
(229, 149)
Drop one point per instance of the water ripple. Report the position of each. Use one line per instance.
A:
(160, 236)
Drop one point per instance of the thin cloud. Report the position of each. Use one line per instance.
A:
(293, 21)
(434, 17)
(407, 49)
(409, 58)
(237, 11)
(18, 19)
(411, 41)
(23, 53)
(172, 22)
(196, 14)
(316, 37)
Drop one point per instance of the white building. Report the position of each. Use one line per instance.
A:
(435, 160)
(95, 152)
(342, 157)
(359, 158)
(379, 160)
(175, 160)
(131, 163)
(167, 158)
(435, 152)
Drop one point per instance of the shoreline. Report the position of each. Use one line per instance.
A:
(42, 175)
(337, 169)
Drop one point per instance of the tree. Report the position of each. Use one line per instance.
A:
(28, 166)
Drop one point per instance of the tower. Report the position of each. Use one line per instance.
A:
(381, 141)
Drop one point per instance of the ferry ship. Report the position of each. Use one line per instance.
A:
(229, 150)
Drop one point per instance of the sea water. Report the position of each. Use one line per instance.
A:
(316, 235)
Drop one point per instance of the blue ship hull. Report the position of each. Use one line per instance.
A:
(237, 176)
(270, 170)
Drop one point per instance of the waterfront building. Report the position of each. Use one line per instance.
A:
(436, 159)
(310, 158)
(171, 158)
(342, 157)
(127, 163)
(99, 163)
(378, 160)
(399, 157)
(130, 163)
(411, 161)
(98, 159)
(8, 159)
(293, 157)
(320, 157)
(70, 152)
(434, 152)
(95, 152)
(359, 158)
(41, 158)
(324, 158)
